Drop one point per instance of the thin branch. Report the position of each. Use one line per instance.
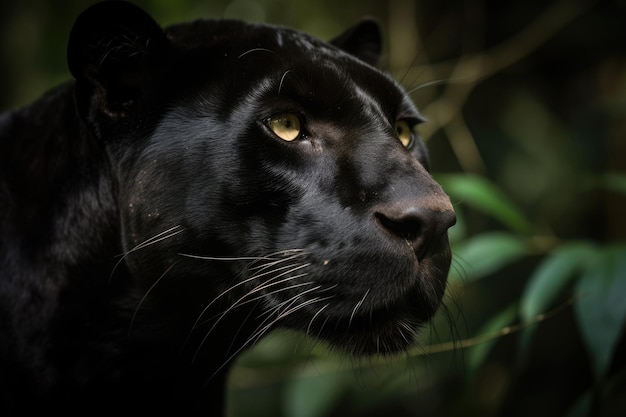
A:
(488, 337)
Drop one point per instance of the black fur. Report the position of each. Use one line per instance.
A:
(152, 225)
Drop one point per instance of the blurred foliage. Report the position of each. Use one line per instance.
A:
(527, 130)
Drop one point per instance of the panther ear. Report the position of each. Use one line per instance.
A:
(363, 40)
(115, 50)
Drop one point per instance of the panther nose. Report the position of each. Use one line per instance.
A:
(420, 225)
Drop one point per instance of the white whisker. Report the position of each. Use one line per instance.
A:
(291, 287)
(237, 303)
(402, 325)
(255, 50)
(146, 295)
(282, 79)
(288, 301)
(227, 259)
(262, 331)
(269, 257)
(282, 268)
(308, 329)
(359, 304)
(240, 283)
(150, 241)
(300, 306)
(157, 238)
(267, 265)
(255, 289)
(257, 298)
(428, 84)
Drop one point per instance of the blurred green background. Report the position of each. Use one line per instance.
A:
(526, 104)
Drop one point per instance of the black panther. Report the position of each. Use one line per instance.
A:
(193, 188)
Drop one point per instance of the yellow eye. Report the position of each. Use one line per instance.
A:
(285, 126)
(404, 133)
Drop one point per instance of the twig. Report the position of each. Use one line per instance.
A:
(484, 338)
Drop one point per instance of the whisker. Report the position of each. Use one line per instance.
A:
(262, 287)
(428, 84)
(289, 301)
(156, 238)
(282, 79)
(330, 287)
(276, 260)
(258, 288)
(300, 306)
(238, 302)
(287, 309)
(308, 329)
(257, 335)
(256, 50)
(359, 304)
(260, 297)
(226, 259)
(271, 256)
(260, 274)
(403, 325)
(406, 72)
(150, 241)
(458, 264)
(262, 328)
(262, 331)
(240, 283)
(291, 287)
(145, 296)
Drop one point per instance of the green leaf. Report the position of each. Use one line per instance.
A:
(549, 280)
(485, 196)
(552, 275)
(601, 309)
(312, 396)
(486, 253)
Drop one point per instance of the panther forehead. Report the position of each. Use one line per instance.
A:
(234, 34)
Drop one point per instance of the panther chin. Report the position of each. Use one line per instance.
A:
(378, 320)
(376, 331)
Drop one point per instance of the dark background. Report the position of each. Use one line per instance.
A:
(526, 104)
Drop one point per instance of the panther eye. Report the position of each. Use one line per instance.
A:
(286, 126)
(404, 133)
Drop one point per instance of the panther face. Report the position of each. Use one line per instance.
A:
(277, 173)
